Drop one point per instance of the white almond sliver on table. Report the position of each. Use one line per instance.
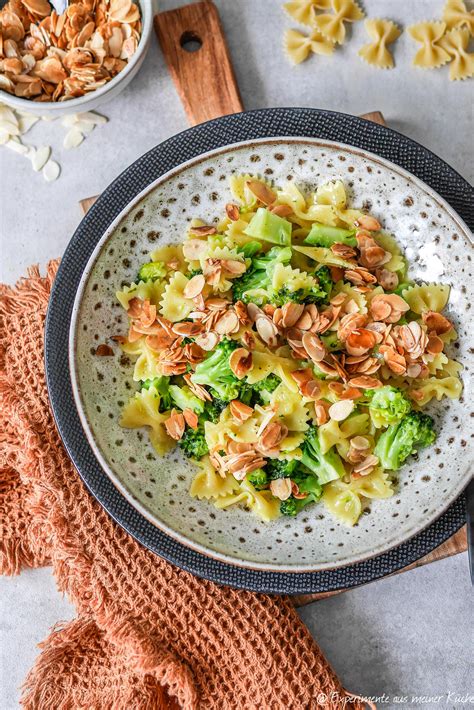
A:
(40, 157)
(26, 122)
(17, 146)
(73, 138)
(51, 171)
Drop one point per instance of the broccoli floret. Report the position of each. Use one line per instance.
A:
(280, 468)
(269, 227)
(152, 272)
(215, 372)
(193, 443)
(193, 272)
(183, 398)
(258, 478)
(258, 276)
(323, 274)
(331, 341)
(387, 405)
(399, 441)
(259, 392)
(250, 249)
(161, 384)
(402, 287)
(327, 467)
(301, 295)
(212, 410)
(324, 236)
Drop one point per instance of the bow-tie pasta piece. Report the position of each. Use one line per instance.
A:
(431, 54)
(455, 43)
(332, 25)
(455, 15)
(302, 11)
(298, 46)
(383, 33)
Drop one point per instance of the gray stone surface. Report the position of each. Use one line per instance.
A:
(409, 635)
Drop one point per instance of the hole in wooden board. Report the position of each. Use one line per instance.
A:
(190, 41)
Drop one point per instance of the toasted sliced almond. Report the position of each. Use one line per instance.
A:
(302, 376)
(366, 465)
(204, 231)
(321, 414)
(194, 249)
(437, 322)
(313, 346)
(281, 210)
(340, 410)
(187, 329)
(240, 362)
(414, 370)
(175, 425)
(387, 279)
(194, 286)
(435, 344)
(233, 267)
(207, 341)
(191, 418)
(291, 313)
(310, 389)
(369, 223)
(365, 382)
(267, 330)
(261, 191)
(360, 442)
(196, 389)
(228, 323)
(240, 411)
(281, 488)
(242, 313)
(232, 212)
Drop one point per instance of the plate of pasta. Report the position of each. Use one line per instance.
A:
(267, 351)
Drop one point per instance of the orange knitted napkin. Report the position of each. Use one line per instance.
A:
(147, 635)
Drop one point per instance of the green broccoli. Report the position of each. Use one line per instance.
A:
(280, 468)
(301, 295)
(258, 276)
(328, 466)
(215, 372)
(183, 398)
(259, 392)
(331, 341)
(213, 410)
(415, 430)
(323, 274)
(307, 483)
(269, 227)
(161, 384)
(151, 272)
(250, 249)
(193, 443)
(324, 236)
(387, 405)
(258, 478)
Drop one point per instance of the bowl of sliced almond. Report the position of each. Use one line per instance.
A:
(74, 61)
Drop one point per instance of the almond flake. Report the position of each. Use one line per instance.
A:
(40, 157)
(194, 286)
(341, 410)
(281, 488)
(51, 171)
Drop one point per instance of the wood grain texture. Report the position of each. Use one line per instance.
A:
(455, 544)
(205, 79)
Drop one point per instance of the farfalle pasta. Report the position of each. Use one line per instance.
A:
(286, 352)
(431, 54)
(455, 14)
(302, 11)
(331, 25)
(299, 46)
(456, 44)
(382, 33)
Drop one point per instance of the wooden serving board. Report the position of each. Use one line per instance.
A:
(206, 83)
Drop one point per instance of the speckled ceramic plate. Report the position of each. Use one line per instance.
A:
(437, 244)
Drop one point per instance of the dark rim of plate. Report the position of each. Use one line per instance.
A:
(251, 125)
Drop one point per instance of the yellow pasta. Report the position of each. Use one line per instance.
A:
(383, 33)
(174, 306)
(431, 54)
(169, 253)
(333, 433)
(397, 263)
(299, 46)
(455, 14)
(427, 297)
(332, 25)
(423, 391)
(323, 256)
(290, 408)
(145, 290)
(342, 503)
(302, 11)
(265, 364)
(207, 483)
(143, 411)
(455, 43)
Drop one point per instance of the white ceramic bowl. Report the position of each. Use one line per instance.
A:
(96, 98)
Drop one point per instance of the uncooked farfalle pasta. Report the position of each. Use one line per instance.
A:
(382, 33)
(287, 352)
